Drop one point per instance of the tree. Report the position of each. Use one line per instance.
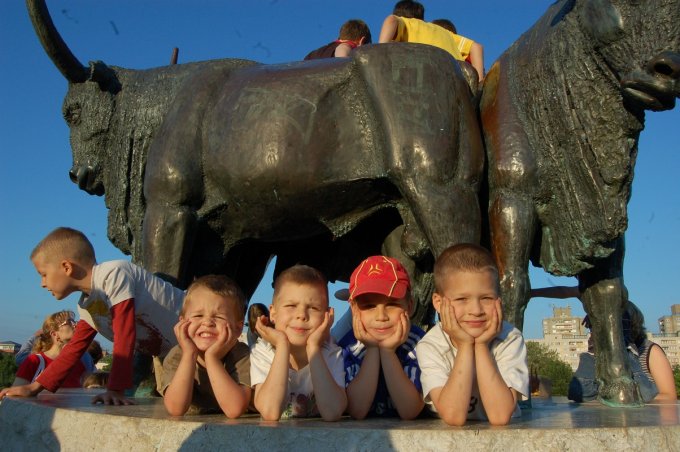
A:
(8, 369)
(547, 363)
(106, 360)
(676, 375)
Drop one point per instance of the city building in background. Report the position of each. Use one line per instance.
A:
(670, 324)
(566, 335)
(9, 347)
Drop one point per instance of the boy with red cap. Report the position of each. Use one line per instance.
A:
(382, 376)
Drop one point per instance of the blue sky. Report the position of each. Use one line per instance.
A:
(36, 194)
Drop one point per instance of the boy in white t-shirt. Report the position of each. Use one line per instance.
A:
(295, 369)
(473, 365)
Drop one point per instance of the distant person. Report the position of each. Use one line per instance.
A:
(255, 311)
(407, 24)
(470, 51)
(353, 33)
(296, 370)
(96, 380)
(95, 352)
(381, 368)
(473, 364)
(651, 356)
(647, 361)
(209, 371)
(119, 300)
(56, 332)
(27, 348)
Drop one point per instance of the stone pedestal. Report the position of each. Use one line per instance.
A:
(68, 421)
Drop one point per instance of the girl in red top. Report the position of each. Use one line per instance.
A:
(57, 330)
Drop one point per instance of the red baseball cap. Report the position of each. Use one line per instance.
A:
(379, 274)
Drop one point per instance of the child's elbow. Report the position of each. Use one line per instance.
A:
(455, 420)
(234, 412)
(331, 417)
(500, 418)
(175, 410)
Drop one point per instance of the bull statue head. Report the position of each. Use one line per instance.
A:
(88, 106)
(640, 43)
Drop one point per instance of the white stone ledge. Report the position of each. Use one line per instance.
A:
(67, 421)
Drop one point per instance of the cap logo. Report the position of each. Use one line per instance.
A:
(374, 270)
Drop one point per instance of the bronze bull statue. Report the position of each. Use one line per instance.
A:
(215, 166)
(562, 111)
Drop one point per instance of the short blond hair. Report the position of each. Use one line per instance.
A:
(303, 275)
(66, 243)
(220, 285)
(464, 257)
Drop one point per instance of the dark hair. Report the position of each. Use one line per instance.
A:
(446, 24)
(301, 274)
(255, 311)
(409, 9)
(634, 323)
(95, 351)
(464, 257)
(354, 30)
(221, 285)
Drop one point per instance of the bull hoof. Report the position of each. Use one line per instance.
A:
(620, 392)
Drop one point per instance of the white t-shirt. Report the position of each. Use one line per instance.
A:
(436, 355)
(157, 304)
(301, 401)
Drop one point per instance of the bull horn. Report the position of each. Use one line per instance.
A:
(54, 45)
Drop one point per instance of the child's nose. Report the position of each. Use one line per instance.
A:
(381, 313)
(475, 306)
(302, 313)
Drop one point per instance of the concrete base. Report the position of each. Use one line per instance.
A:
(68, 421)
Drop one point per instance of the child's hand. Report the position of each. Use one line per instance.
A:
(269, 334)
(112, 398)
(360, 332)
(185, 342)
(400, 334)
(19, 391)
(450, 324)
(320, 335)
(494, 326)
(226, 339)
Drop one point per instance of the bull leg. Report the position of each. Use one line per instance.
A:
(604, 297)
(422, 283)
(446, 214)
(513, 223)
(168, 238)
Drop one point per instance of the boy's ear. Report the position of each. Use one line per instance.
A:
(67, 266)
(436, 301)
(272, 312)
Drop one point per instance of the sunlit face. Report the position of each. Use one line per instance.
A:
(380, 314)
(298, 310)
(64, 332)
(473, 295)
(54, 276)
(207, 312)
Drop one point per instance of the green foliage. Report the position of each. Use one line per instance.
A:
(676, 376)
(547, 363)
(106, 360)
(8, 369)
